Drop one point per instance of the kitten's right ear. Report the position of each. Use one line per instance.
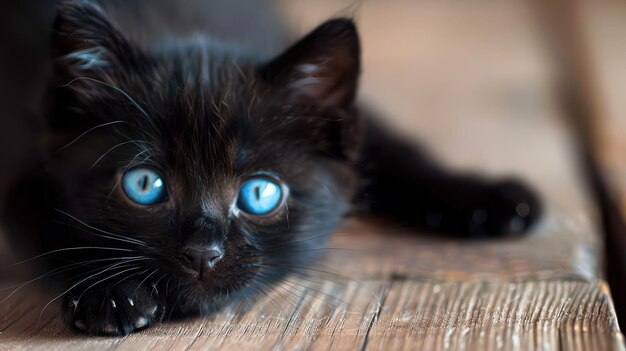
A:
(322, 68)
(86, 47)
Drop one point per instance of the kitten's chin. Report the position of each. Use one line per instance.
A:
(207, 296)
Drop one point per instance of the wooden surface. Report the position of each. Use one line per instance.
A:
(385, 314)
(471, 81)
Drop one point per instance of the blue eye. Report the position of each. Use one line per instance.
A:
(259, 196)
(144, 186)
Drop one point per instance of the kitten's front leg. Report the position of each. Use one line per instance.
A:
(117, 309)
(402, 182)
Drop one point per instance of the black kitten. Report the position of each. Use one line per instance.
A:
(181, 177)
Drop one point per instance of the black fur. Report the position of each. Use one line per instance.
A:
(207, 116)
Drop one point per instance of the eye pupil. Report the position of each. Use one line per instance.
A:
(257, 192)
(143, 183)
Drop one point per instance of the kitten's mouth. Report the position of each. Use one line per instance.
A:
(205, 276)
(212, 272)
(202, 275)
(216, 281)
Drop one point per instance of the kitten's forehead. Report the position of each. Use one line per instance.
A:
(204, 63)
(199, 113)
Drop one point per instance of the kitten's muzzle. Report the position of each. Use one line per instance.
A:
(202, 259)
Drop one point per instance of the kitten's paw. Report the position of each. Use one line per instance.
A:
(509, 209)
(119, 310)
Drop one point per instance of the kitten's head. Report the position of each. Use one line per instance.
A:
(220, 172)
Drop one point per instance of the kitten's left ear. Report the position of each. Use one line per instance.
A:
(322, 68)
(85, 44)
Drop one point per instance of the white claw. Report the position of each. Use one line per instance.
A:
(113, 303)
(130, 301)
(74, 304)
(152, 311)
(80, 325)
(141, 322)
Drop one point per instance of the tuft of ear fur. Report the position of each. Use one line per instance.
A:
(86, 45)
(322, 68)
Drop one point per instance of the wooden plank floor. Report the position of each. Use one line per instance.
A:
(479, 96)
(394, 314)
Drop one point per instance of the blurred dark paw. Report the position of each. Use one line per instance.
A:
(120, 310)
(508, 208)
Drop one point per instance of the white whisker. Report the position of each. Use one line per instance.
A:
(84, 280)
(87, 132)
(109, 234)
(113, 148)
(112, 87)
(69, 249)
(105, 279)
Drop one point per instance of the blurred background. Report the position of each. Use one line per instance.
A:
(452, 73)
(494, 87)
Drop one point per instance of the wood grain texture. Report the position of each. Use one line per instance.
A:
(391, 314)
(480, 97)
